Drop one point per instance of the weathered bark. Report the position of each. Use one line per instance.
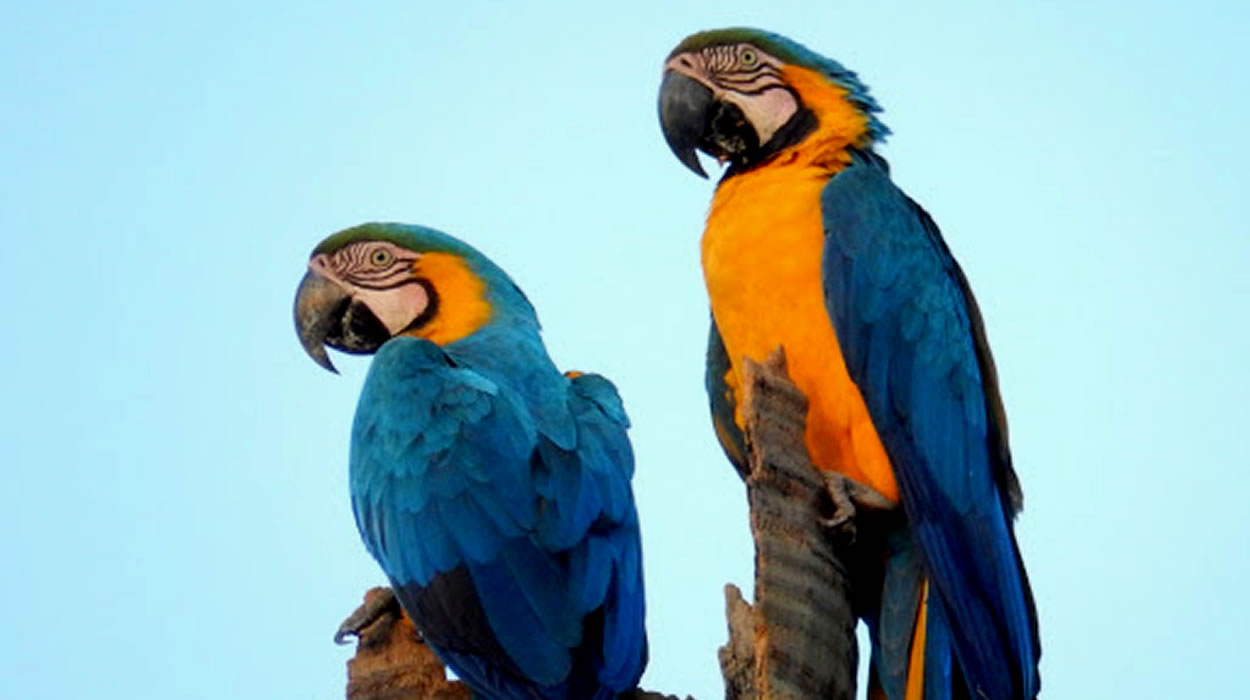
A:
(392, 663)
(796, 641)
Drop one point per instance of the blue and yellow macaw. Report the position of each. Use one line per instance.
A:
(493, 490)
(809, 246)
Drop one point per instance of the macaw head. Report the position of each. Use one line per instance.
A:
(368, 284)
(745, 95)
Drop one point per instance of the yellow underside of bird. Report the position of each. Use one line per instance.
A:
(762, 266)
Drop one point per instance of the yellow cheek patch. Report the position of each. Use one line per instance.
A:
(842, 124)
(462, 305)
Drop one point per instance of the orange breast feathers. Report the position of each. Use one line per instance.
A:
(762, 265)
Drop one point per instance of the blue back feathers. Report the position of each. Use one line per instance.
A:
(905, 322)
(495, 493)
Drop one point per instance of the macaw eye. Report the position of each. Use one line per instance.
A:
(381, 257)
(748, 58)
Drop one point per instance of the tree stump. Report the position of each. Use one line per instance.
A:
(798, 639)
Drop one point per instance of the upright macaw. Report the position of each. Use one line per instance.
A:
(493, 490)
(809, 246)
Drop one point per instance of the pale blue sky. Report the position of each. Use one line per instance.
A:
(175, 519)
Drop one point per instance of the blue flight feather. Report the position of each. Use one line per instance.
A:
(910, 337)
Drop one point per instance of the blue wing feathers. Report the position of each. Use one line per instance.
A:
(911, 339)
(520, 484)
(590, 572)
(526, 616)
(624, 646)
(477, 533)
(938, 671)
(892, 628)
(600, 392)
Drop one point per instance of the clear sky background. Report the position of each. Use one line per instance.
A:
(175, 521)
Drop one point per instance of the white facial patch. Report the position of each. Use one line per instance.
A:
(767, 111)
(396, 307)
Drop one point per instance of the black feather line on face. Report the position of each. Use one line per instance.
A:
(790, 134)
(431, 307)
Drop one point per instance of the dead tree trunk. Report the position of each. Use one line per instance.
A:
(392, 663)
(798, 640)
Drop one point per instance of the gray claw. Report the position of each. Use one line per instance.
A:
(378, 602)
(846, 494)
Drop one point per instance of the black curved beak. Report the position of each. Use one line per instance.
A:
(686, 108)
(319, 305)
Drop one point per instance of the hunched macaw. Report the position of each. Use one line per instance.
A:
(493, 490)
(809, 246)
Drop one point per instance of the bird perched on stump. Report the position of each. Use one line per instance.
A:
(810, 246)
(493, 490)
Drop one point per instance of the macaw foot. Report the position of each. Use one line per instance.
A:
(379, 602)
(846, 494)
